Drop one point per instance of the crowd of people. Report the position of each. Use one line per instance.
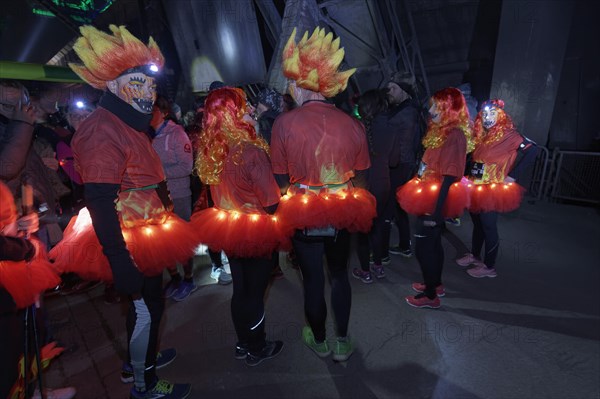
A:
(247, 176)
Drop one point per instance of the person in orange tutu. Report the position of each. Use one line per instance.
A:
(321, 159)
(25, 273)
(437, 192)
(234, 161)
(129, 233)
(500, 154)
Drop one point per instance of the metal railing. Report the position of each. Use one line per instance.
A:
(535, 178)
(576, 176)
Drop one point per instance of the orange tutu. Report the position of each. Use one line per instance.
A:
(24, 281)
(352, 209)
(240, 235)
(153, 247)
(419, 197)
(497, 197)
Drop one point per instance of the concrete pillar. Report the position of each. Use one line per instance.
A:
(532, 40)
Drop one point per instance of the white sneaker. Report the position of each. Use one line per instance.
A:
(58, 393)
(220, 275)
(224, 260)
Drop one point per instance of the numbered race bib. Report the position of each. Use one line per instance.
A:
(477, 171)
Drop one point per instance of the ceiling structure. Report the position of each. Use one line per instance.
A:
(439, 42)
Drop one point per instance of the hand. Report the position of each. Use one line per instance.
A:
(28, 223)
(25, 113)
(509, 179)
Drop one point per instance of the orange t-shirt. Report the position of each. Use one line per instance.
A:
(249, 186)
(106, 150)
(449, 159)
(318, 144)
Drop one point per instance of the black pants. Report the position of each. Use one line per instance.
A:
(430, 254)
(12, 338)
(250, 280)
(485, 230)
(309, 252)
(375, 241)
(399, 176)
(142, 333)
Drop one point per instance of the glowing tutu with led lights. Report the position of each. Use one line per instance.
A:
(155, 245)
(240, 235)
(352, 209)
(497, 197)
(25, 281)
(419, 197)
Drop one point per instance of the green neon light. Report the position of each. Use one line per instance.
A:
(78, 10)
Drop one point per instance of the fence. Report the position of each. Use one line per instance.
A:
(576, 176)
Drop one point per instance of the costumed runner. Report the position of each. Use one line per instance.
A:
(500, 155)
(437, 191)
(320, 159)
(25, 273)
(233, 160)
(130, 233)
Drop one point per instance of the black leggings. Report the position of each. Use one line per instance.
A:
(375, 241)
(485, 230)
(430, 254)
(309, 252)
(144, 319)
(250, 280)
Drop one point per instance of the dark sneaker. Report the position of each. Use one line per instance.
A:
(453, 221)
(171, 288)
(378, 271)
(342, 349)
(185, 289)
(420, 287)
(277, 273)
(363, 276)
(406, 252)
(271, 349)
(422, 301)
(163, 358)
(386, 260)
(163, 389)
(241, 350)
(320, 348)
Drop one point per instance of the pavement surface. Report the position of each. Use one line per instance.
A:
(532, 332)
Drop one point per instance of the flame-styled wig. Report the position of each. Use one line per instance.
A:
(503, 123)
(8, 210)
(454, 113)
(106, 56)
(223, 127)
(313, 63)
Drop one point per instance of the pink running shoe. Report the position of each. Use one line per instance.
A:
(467, 259)
(421, 301)
(420, 287)
(482, 270)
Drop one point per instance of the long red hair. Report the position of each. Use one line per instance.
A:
(223, 128)
(454, 113)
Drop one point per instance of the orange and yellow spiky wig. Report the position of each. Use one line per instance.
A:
(313, 63)
(106, 56)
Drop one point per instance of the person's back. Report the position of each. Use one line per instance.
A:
(326, 142)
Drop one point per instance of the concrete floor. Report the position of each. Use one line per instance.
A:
(532, 332)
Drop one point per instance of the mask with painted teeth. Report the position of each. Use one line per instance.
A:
(136, 89)
(144, 105)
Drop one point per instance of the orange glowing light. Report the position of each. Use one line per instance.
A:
(493, 185)
(419, 190)
(506, 186)
(434, 187)
(304, 200)
(236, 215)
(147, 231)
(479, 188)
(470, 185)
(167, 226)
(254, 217)
(221, 215)
(274, 218)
